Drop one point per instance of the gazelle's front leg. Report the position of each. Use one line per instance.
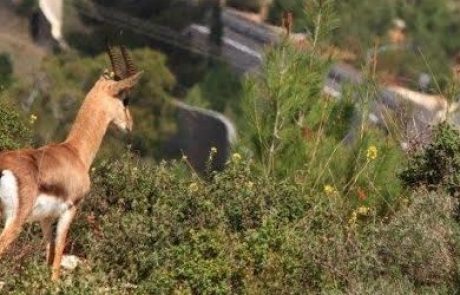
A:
(61, 233)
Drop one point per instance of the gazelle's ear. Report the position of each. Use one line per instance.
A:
(125, 84)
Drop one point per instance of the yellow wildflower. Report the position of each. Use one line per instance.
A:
(353, 218)
(372, 152)
(236, 157)
(405, 201)
(212, 153)
(363, 211)
(32, 119)
(329, 189)
(193, 187)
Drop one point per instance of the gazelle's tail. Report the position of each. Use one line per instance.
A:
(8, 194)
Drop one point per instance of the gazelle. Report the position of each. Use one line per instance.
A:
(48, 183)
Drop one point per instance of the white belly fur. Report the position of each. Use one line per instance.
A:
(47, 206)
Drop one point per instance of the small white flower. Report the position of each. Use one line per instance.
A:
(70, 262)
(32, 119)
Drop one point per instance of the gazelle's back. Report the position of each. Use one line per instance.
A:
(55, 171)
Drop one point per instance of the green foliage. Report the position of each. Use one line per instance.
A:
(437, 165)
(312, 204)
(6, 70)
(316, 17)
(427, 19)
(362, 23)
(159, 229)
(277, 102)
(220, 90)
(14, 132)
(296, 131)
(419, 233)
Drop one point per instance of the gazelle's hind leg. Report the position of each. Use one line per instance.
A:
(15, 212)
(47, 230)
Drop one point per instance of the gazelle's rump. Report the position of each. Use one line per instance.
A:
(8, 195)
(47, 206)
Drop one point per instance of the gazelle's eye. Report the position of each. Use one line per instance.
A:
(126, 101)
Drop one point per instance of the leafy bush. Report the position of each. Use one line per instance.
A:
(295, 131)
(159, 229)
(436, 166)
(426, 221)
(220, 90)
(14, 132)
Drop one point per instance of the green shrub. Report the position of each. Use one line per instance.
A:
(220, 90)
(416, 241)
(160, 229)
(296, 131)
(14, 132)
(279, 103)
(436, 166)
(6, 70)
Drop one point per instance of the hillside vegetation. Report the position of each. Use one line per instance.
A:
(337, 221)
(314, 198)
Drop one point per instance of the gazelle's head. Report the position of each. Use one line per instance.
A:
(114, 88)
(114, 97)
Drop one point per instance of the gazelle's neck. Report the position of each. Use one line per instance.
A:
(88, 130)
